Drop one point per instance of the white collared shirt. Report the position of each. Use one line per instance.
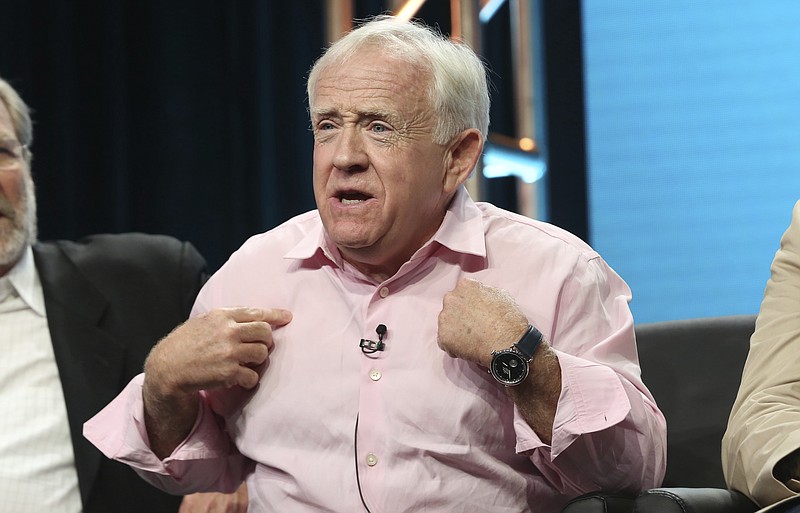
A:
(37, 463)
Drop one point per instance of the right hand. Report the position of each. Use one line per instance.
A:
(218, 349)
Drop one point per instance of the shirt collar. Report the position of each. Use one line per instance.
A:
(461, 231)
(314, 241)
(25, 280)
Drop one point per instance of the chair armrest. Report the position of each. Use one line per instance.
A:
(693, 500)
(600, 502)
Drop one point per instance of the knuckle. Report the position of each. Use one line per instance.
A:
(258, 314)
(229, 331)
(214, 315)
(227, 352)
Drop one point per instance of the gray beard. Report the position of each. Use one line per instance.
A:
(22, 232)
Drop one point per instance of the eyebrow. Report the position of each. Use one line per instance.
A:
(380, 114)
(324, 113)
(362, 114)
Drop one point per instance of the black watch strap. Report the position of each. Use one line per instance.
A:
(529, 342)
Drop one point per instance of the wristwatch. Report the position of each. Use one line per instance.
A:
(511, 366)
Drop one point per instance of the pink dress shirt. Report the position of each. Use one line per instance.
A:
(435, 434)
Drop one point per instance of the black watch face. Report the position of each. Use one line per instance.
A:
(509, 367)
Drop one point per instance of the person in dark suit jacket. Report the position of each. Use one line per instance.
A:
(101, 303)
(108, 299)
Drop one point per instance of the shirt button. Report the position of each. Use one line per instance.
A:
(372, 460)
(374, 374)
(384, 291)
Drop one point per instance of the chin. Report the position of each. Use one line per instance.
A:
(350, 235)
(351, 244)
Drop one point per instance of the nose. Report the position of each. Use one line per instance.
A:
(350, 153)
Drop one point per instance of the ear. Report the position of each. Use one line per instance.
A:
(461, 157)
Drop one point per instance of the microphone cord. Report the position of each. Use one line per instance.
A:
(368, 347)
(355, 459)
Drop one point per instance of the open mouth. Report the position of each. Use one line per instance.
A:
(353, 198)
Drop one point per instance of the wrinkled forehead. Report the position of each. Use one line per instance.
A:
(370, 71)
(370, 88)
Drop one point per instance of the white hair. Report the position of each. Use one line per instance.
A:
(458, 91)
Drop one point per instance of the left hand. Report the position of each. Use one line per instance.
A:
(477, 319)
(235, 502)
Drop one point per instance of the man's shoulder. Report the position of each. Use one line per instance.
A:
(123, 250)
(124, 244)
(126, 241)
(288, 233)
(503, 224)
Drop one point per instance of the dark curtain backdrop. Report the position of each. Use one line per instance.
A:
(188, 117)
(166, 116)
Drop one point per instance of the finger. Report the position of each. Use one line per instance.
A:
(273, 316)
(247, 378)
(253, 331)
(252, 353)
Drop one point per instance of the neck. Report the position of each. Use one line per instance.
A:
(377, 272)
(380, 262)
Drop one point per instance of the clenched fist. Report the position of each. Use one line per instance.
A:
(219, 349)
(477, 319)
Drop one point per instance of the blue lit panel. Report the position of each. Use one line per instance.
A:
(693, 133)
(500, 161)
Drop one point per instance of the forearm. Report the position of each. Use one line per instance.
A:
(169, 412)
(168, 420)
(536, 398)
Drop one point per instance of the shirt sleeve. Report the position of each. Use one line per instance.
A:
(762, 428)
(205, 461)
(608, 432)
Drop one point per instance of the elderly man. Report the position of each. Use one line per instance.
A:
(76, 322)
(339, 362)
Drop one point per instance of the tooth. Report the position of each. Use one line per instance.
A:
(351, 201)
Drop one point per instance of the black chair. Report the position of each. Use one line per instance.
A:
(693, 368)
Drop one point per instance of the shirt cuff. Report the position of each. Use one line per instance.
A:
(119, 432)
(592, 399)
